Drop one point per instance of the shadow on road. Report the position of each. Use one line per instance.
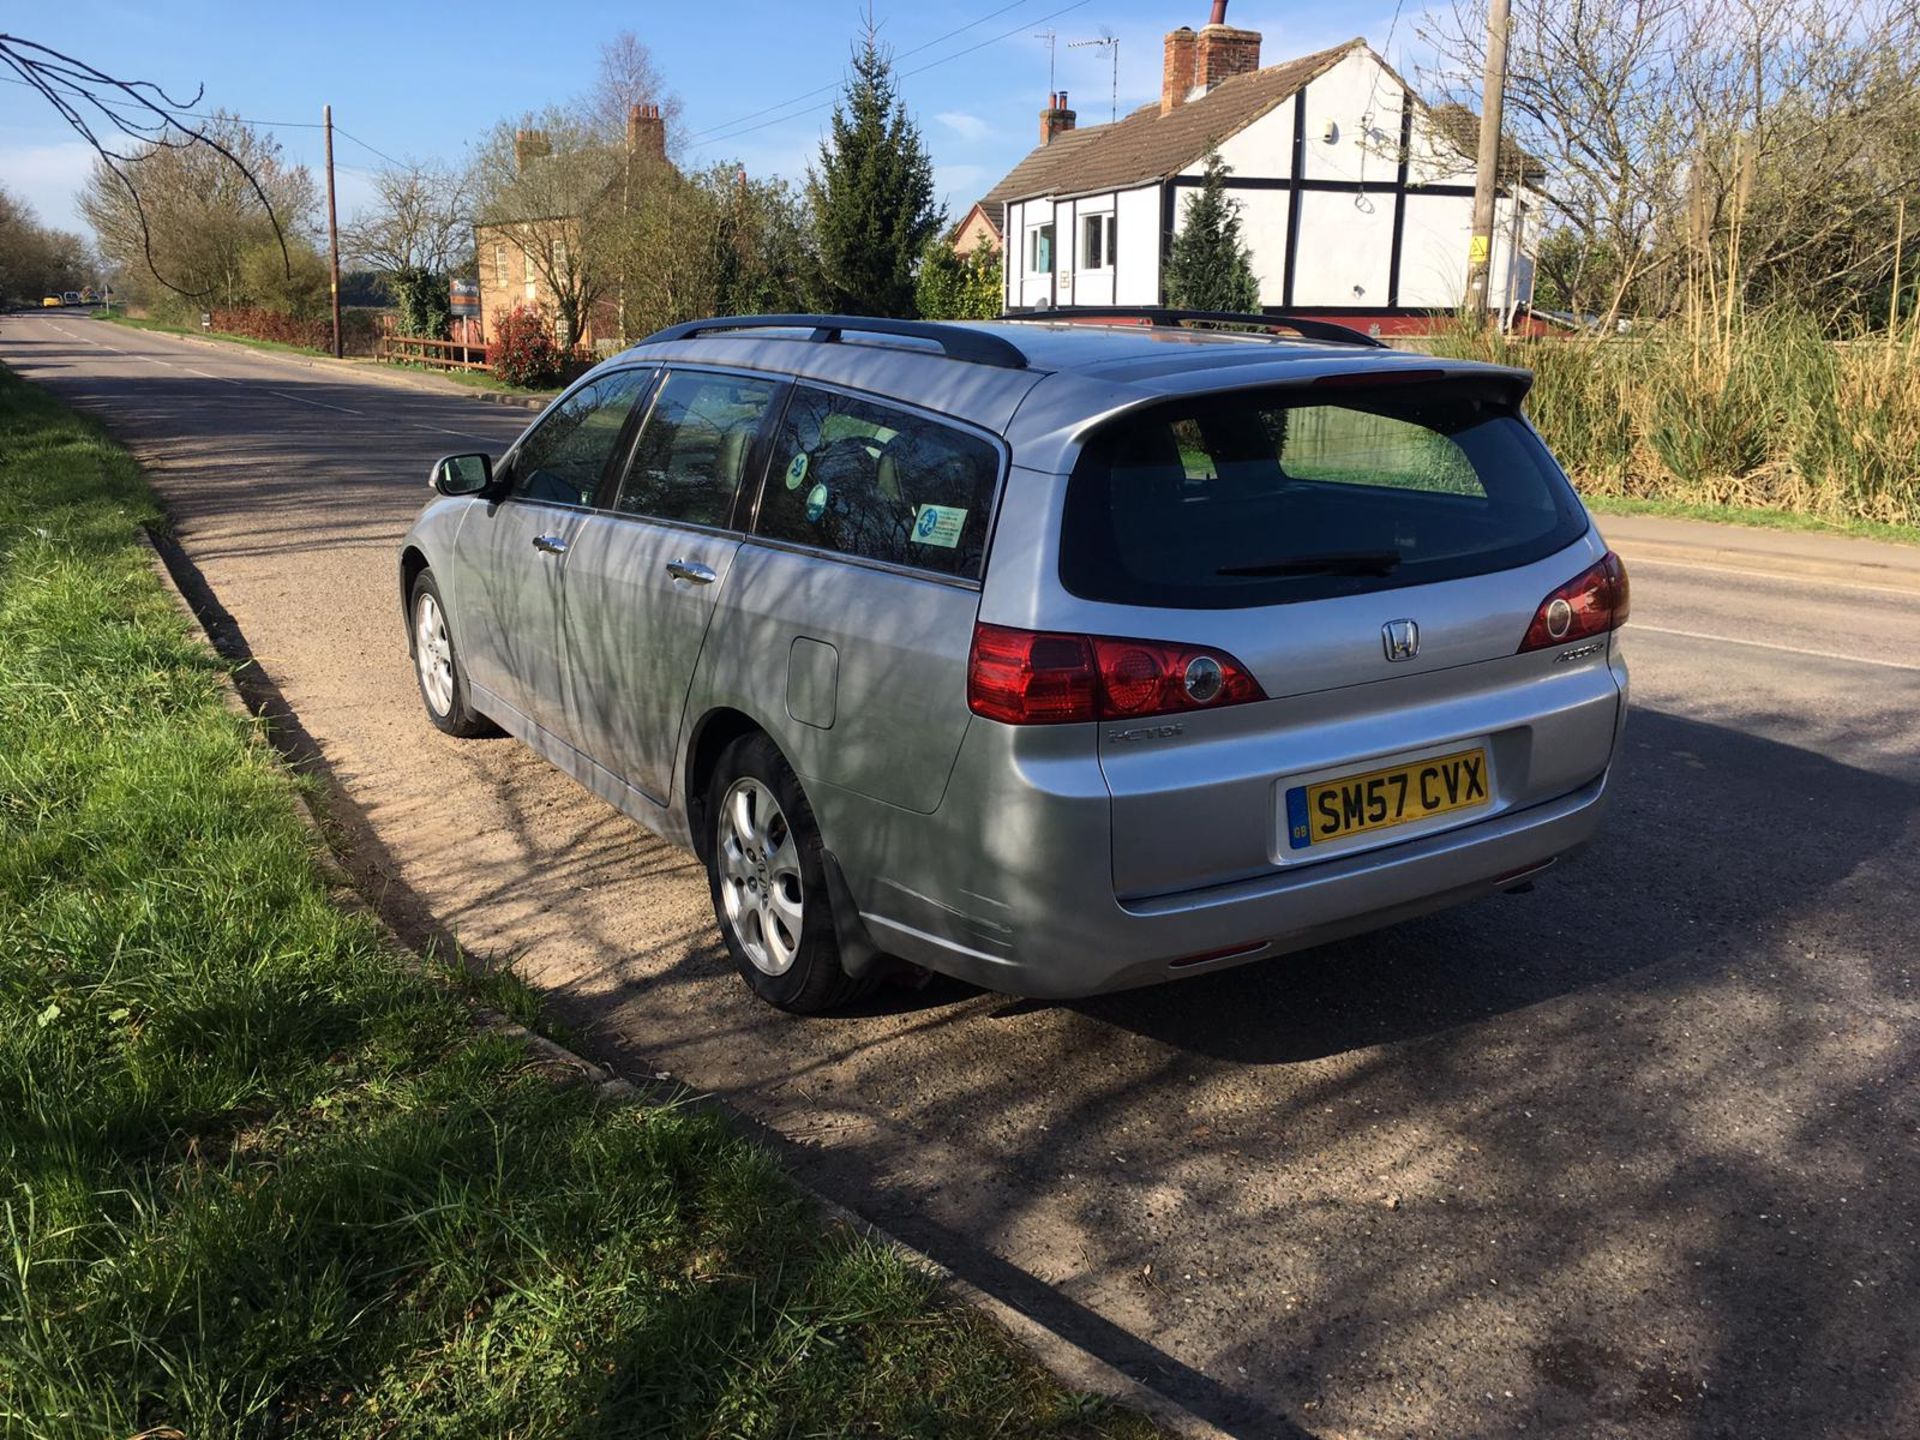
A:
(1633, 1154)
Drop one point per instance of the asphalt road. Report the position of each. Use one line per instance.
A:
(1637, 1154)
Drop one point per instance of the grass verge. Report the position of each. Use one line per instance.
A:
(258, 1177)
(478, 380)
(1765, 412)
(143, 324)
(1748, 515)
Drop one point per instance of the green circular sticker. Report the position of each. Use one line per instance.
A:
(796, 470)
(816, 502)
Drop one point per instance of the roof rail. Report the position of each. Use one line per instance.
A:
(1163, 315)
(956, 342)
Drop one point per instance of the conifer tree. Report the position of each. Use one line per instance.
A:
(1209, 268)
(872, 193)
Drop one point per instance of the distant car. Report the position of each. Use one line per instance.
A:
(1059, 657)
(70, 297)
(52, 302)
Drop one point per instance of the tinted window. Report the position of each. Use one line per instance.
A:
(693, 450)
(869, 480)
(1259, 500)
(562, 461)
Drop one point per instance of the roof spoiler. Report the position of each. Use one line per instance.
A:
(1306, 328)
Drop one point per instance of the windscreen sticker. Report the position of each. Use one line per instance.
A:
(939, 525)
(816, 503)
(796, 470)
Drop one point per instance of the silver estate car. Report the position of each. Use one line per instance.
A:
(1057, 656)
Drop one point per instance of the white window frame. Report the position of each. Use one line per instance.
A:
(1034, 267)
(1102, 223)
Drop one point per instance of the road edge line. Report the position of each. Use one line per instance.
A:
(1070, 1363)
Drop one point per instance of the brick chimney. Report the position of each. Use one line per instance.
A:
(1223, 51)
(1176, 75)
(529, 146)
(1056, 119)
(646, 132)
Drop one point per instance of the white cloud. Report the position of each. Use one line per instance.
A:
(967, 127)
(48, 177)
(958, 186)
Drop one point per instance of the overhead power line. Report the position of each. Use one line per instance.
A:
(917, 70)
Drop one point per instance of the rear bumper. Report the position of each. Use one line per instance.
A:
(1085, 945)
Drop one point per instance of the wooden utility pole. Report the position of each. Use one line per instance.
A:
(1493, 87)
(333, 232)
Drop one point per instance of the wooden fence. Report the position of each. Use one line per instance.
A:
(436, 354)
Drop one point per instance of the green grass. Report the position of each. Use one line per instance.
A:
(1749, 515)
(258, 1177)
(232, 339)
(478, 379)
(1762, 412)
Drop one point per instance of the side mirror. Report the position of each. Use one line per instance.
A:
(461, 474)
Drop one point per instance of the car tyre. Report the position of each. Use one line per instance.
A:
(768, 881)
(436, 665)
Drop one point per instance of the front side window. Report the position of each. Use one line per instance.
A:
(1040, 250)
(864, 479)
(692, 454)
(562, 461)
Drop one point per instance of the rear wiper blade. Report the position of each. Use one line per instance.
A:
(1353, 562)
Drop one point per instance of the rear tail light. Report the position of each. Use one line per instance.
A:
(1592, 603)
(1037, 677)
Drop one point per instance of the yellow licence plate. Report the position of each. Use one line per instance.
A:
(1331, 810)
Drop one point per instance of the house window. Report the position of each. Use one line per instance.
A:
(1096, 242)
(500, 264)
(529, 258)
(1040, 251)
(560, 258)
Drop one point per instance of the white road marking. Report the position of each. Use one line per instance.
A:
(1759, 574)
(1635, 626)
(317, 404)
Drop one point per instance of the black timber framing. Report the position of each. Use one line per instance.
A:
(1400, 198)
(1294, 181)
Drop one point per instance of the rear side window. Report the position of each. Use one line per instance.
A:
(864, 479)
(1270, 497)
(693, 449)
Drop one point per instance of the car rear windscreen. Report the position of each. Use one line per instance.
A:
(1267, 497)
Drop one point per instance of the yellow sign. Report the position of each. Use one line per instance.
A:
(1395, 796)
(1477, 251)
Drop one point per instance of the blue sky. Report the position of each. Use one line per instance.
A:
(425, 80)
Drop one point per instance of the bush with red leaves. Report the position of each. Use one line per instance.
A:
(522, 352)
(358, 329)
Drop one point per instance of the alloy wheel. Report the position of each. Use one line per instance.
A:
(433, 652)
(760, 883)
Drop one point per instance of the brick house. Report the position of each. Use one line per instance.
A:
(516, 259)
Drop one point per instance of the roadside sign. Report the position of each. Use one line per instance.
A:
(466, 297)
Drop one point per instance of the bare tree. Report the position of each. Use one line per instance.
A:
(555, 186)
(108, 112)
(628, 77)
(422, 221)
(1704, 152)
(198, 210)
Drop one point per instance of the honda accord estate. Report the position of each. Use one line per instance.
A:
(1060, 657)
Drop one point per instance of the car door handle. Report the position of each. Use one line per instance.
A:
(550, 544)
(692, 570)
